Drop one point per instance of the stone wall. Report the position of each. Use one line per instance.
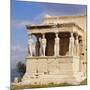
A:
(52, 69)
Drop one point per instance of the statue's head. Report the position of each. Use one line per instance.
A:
(71, 34)
(56, 34)
(39, 39)
(43, 36)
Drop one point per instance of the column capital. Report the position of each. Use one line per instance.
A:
(43, 33)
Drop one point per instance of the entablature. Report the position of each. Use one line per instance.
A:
(54, 28)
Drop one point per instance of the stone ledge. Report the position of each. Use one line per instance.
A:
(52, 57)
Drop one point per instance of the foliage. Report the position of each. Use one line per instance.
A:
(21, 69)
(84, 82)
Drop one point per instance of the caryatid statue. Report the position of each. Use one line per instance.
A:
(40, 49)
(30, 44)
(56, 46)
(44, 42)
(71, 45)
(77, 46)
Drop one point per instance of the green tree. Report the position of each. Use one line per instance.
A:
(21, 68)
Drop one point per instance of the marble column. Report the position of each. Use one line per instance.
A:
(40, 48)
(56, 45)
(71, 45)
(77, 45)
(44, 42)
(30, 44)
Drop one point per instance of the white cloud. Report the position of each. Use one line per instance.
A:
(18, 47)
(20, 23)
(18, 53)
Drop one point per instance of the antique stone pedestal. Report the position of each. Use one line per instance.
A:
(51, 69)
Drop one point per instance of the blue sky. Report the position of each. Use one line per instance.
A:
(23, 13)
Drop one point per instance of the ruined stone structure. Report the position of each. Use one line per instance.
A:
(60, 51)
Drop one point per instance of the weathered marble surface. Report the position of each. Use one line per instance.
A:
(62, 57)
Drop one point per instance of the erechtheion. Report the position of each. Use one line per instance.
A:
(60, 51)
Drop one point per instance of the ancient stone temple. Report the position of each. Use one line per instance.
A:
(60, 51)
